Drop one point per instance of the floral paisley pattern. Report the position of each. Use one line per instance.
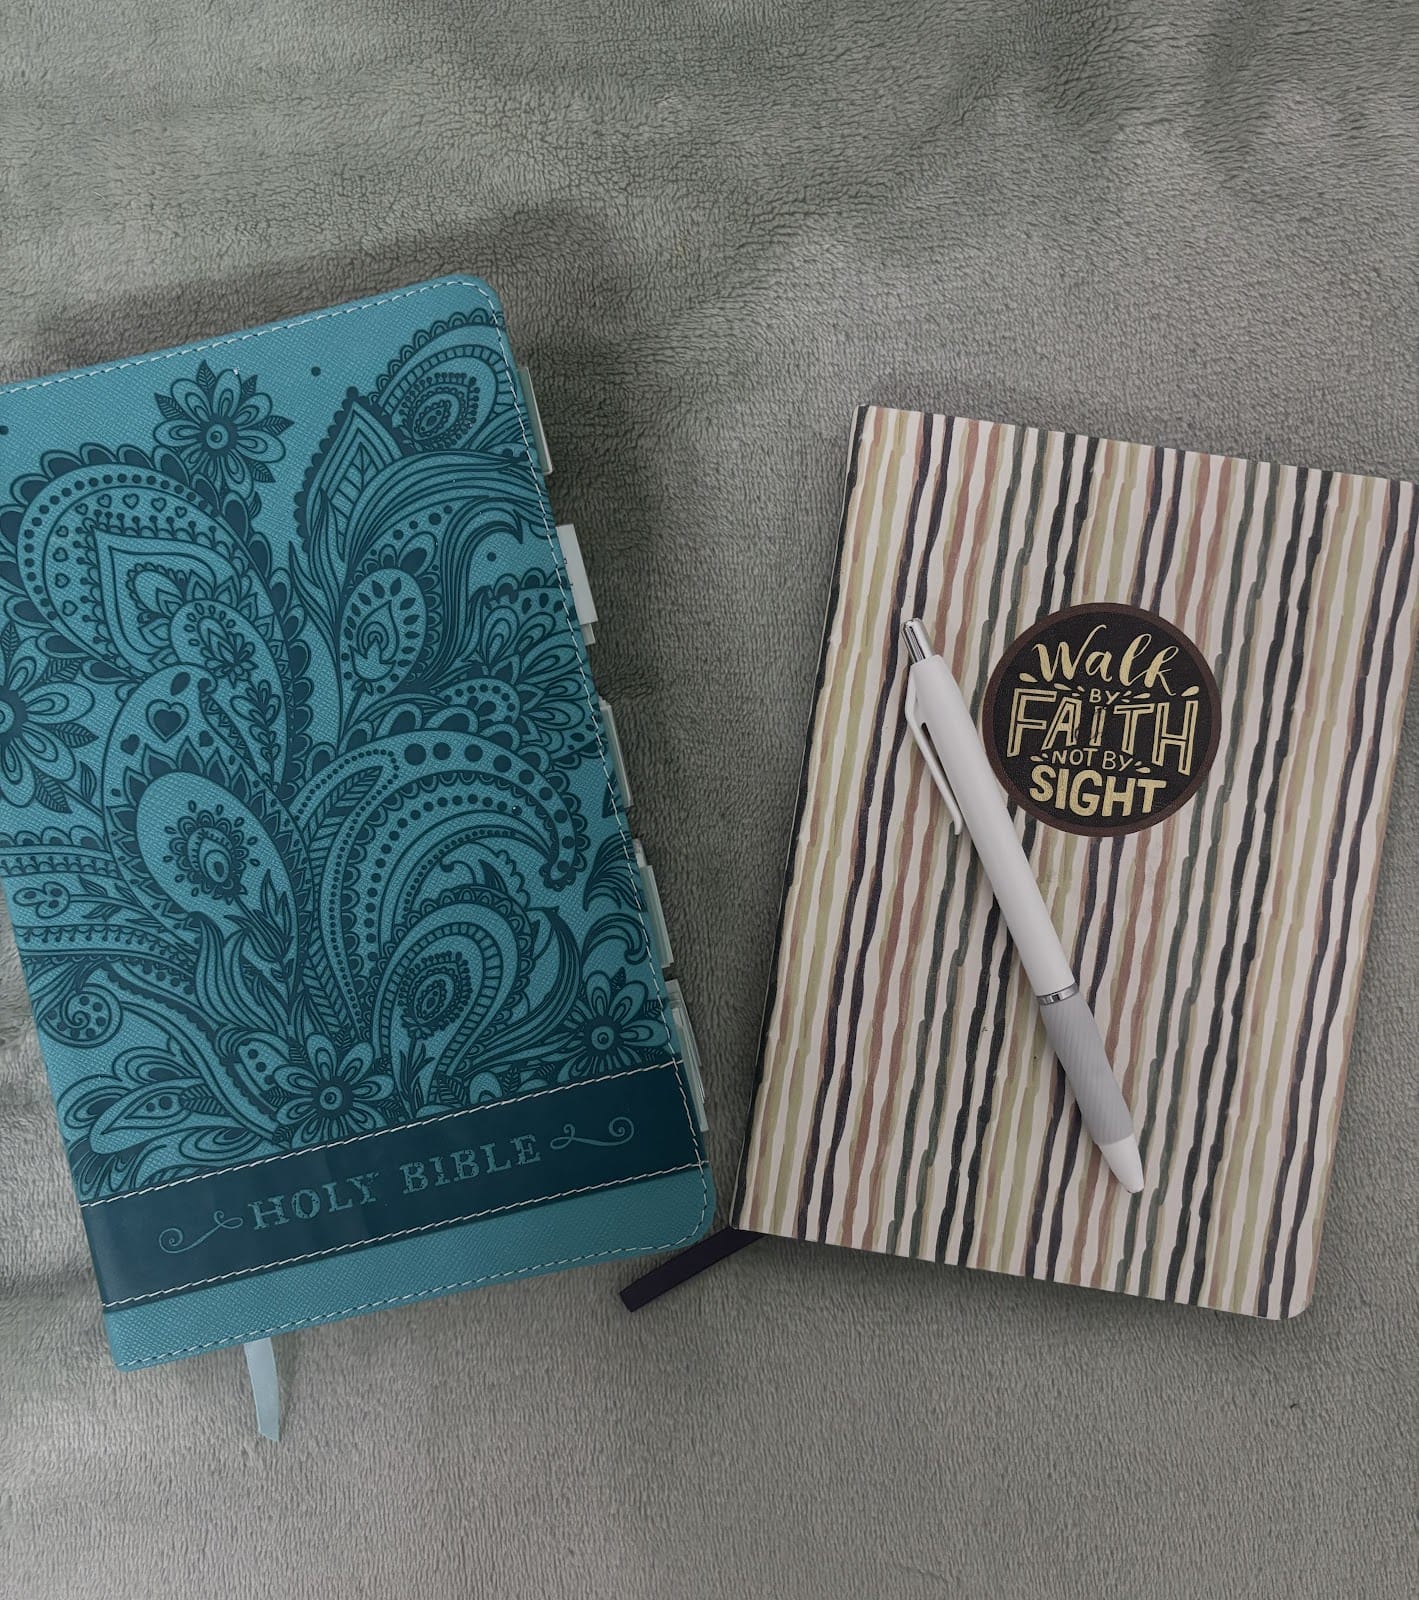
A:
(208, 851)
(331, 1097)
(521, 680)
(608, 1028)
(223, 430)
(304, 826)
(39, 725)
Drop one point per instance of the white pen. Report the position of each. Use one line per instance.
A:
(944, 731)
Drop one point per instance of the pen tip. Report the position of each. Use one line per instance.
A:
(1124, 1162)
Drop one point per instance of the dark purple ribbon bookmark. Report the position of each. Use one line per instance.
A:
(701, 1255)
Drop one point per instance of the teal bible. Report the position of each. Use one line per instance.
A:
(314, 851)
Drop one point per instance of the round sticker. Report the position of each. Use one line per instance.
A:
(1101, 719)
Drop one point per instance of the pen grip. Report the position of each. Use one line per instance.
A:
(982, 806)
(1077, 1042)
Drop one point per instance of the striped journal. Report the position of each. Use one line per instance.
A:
(1189, 673)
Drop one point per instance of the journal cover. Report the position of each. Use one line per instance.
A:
(330, 919)
(1189, 672)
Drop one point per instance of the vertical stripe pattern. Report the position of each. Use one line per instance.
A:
(907, 1101)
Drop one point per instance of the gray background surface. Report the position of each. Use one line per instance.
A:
(717, 228)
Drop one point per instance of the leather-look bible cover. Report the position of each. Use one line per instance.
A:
(321, 880)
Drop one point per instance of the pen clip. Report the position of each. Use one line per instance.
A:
(917, 723)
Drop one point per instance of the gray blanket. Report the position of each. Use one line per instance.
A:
(717, 227)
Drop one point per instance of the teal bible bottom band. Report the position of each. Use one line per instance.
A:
(628, 1220)
(416, 1178)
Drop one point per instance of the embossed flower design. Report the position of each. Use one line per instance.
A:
(433, 994)
(226, 652)
(47, 900)
(438, 409)
(39, 726)
(521, 668)
(608, 1027)
(332, 1096)
(222, 429)
(209, 851)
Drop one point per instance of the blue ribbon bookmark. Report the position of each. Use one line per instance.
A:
(265, 1387)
